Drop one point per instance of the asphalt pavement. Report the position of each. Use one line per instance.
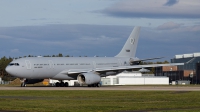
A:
(133, 88)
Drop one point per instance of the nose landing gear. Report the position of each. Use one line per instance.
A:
(23, 82)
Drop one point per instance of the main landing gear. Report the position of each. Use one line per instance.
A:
(23, 82)
(62, 84)
(94, 85)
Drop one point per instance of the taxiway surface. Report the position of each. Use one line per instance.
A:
(134, 88)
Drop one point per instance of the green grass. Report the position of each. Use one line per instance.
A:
(85, 101)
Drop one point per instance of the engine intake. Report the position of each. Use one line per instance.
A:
(88, 78)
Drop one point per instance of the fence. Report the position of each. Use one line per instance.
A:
(4, 82)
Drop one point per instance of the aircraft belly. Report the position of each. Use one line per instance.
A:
(61, 76)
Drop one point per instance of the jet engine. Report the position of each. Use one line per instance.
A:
(88, 78)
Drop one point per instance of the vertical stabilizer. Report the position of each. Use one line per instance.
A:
(130, 46)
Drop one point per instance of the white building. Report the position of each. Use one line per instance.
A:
(134, 78)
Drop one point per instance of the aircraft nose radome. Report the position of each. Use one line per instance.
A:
(9, 70)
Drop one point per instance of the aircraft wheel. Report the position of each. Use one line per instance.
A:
(57, 84)
(98, 85)
(93, 85)
(66, 84)
(62, 84)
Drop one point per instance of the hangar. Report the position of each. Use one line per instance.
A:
(135, 78)
(190, 71)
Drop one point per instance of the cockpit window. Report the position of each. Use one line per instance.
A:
(11, 64)
(14, 64)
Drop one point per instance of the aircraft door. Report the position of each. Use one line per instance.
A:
(120, 62)
(94, 64)
(28, 64)
(51, 64)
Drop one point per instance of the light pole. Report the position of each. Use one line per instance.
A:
(171, 74)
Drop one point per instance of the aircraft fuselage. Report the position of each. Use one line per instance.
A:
(51, 67)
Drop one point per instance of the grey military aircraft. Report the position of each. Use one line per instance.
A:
(87, 70)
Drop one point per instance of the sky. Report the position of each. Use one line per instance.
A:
(98, 27)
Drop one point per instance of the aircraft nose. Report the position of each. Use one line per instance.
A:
(9, 70)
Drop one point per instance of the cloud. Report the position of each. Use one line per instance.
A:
(192, 29)
(5, 37)
(168, 43)
(169, 26)
(173, 27)
(195, 28)
(153, 9)
(100, 40)
(36, 19)
(14, 51)
(171, 2)
(69, 39)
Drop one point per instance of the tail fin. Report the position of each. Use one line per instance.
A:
(130, 46)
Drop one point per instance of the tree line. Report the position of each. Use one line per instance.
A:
(4, 61)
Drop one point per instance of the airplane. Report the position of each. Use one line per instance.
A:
(87, 70)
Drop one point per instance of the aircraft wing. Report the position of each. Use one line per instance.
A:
(104, 69)
(135, 66)
(140, 60)
(75, 71)
(149, 59)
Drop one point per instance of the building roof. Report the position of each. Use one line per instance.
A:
(187, 55)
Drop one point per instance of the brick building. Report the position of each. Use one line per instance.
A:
(189, 71)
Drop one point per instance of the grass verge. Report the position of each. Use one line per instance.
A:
(70, 101)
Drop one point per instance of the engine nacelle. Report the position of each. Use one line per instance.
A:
(88, 78)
